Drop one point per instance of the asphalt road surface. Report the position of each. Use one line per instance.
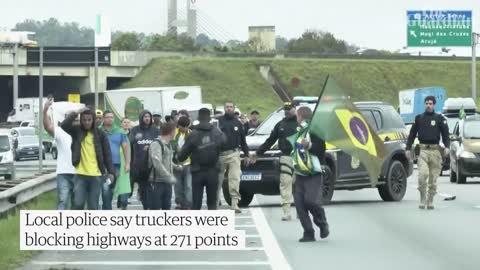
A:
(366, 233)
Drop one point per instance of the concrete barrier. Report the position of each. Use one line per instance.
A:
(26, 191)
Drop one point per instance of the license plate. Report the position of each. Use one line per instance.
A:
(251, 176)
(30, 153)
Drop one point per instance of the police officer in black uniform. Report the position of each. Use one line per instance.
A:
(282, 130)
(230, 156)
(429, 126)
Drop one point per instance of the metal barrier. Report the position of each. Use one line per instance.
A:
(26, 191)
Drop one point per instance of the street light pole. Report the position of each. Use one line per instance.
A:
(40, 113)
(475, 42)
(96, 77)
(15, 76)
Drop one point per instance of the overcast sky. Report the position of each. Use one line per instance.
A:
(368, 23)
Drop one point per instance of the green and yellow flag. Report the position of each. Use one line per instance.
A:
(338, 121)
(462, 114)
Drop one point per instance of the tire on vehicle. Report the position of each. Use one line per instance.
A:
(245, 197)
(396, 183)
(328, 187)
(461, 178)
(453, 175)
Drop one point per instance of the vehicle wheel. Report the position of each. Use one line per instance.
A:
(245, 197)
(396, 183)
(461, 179)
(54, 153)
(453, 175)
(8, 177)
(328, 185)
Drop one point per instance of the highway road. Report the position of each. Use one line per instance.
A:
(366, 233)
(29, 167)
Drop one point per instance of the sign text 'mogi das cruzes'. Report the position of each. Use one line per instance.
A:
(438, 28)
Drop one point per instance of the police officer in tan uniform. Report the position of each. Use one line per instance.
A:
(282, 130)
(429, 126)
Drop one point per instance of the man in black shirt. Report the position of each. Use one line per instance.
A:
(430, 126)
(230, 155)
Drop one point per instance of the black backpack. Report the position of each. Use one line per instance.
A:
(208, 149)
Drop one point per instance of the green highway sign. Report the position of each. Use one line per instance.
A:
(439, 28)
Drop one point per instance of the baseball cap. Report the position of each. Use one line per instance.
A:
(288, 106)
(98, 112)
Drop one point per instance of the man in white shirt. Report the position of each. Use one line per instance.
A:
(65, 170)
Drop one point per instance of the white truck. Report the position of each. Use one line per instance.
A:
(130, 102)
(26, 110)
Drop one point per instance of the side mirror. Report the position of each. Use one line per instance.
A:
(250, 131)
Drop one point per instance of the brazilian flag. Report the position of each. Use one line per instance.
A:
(338, 121)
(462, 114)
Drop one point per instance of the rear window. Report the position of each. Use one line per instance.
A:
(4, 144)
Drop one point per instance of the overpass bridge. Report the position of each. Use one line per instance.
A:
(68, 70)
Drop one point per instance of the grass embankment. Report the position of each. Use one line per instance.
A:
(10, 254)
(239, 79)
(220, 79)
(376, 79)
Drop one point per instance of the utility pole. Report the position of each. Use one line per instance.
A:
(15, 76)
(475, 42)
(40, 113)
(96, 77)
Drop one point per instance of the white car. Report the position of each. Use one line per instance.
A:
(6, 157)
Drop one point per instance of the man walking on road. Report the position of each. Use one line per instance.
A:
(282, 130)
(429, 126)
(230, 155)
(161, 178)
(204, 146)
(308, 152)
(118, 140)
(183, 187)
(91, 155)
(141, 137)
(65, 170)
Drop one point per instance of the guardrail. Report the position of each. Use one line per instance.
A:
(24, 191)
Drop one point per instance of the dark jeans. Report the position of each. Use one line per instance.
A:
(158, 196)
(86, 188)
(206, 178)
(183, 188)
(65, 186)
(122, 201)
(141, 178)
(308, 195)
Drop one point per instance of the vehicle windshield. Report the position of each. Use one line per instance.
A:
(28, 140)
(267, 126)
(471, 130)
(4, 144)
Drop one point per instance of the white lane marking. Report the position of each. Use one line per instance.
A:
(245, 226)
(141, 263)
(272, 249)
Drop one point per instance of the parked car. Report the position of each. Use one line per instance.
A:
(465, 150)
(28, 148)
(6, 157)
(342, 171)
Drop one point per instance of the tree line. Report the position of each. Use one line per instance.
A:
(51, 32)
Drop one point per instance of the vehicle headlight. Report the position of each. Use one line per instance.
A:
(466, 154)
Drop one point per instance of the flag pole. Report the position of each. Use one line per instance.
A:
(318, 102)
